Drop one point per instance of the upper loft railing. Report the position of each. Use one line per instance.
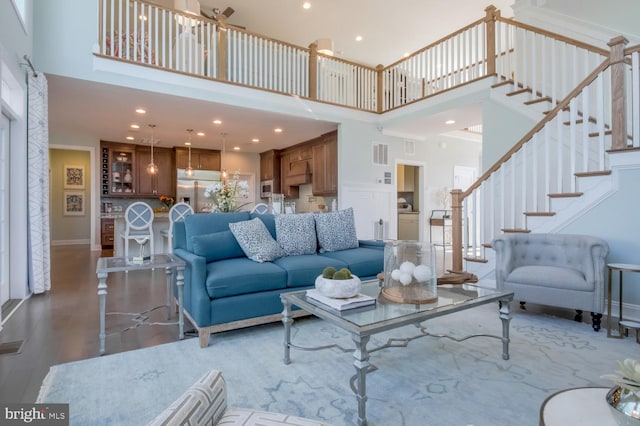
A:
(145, 33)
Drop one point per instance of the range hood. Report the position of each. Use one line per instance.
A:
(299, 173)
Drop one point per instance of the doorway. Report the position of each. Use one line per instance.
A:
(410, 201)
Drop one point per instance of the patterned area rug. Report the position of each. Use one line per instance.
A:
(433, 381)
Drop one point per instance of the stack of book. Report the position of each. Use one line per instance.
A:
(357, 301)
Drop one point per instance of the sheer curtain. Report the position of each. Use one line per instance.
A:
(38, 184)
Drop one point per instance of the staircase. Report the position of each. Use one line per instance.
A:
(562, 168)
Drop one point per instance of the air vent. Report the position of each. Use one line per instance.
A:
(409, 147)
(380, 154)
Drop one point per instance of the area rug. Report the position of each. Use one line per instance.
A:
(433, 381)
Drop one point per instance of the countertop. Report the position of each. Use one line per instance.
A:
(121, 215)
(408, 212)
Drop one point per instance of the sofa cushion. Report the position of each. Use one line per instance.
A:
(216, 246)
(204, 403)
(336, 230)
(549, 276)
(206, 223)
(256, 241)
(363, 262)
(296, 233)
(231, 277)
(303, 270)
(269, 221)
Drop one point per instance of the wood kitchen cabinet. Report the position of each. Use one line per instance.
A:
(118, 169)
(107, 233)
(201, 159)
(287, 188)
(270, 166)
(162, 183)
(325, 167)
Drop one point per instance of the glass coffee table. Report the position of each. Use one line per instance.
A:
(362, 323)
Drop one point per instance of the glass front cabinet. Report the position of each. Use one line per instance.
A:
(118, 169)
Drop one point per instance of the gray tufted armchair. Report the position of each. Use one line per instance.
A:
(562, 270)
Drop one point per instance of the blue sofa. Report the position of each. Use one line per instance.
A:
(224, 289)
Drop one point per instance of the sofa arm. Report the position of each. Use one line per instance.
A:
(204, 403)
(196, 299)
(375, 244)
(504, 259)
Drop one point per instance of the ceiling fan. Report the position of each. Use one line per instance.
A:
(221, 16)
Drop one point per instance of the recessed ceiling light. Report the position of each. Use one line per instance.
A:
(450, 122)
(200, 133)
(236, 148)
(306, 5)
(187, 143)
(255, 140)
(217, 121)
(130, 138)
(277, 130)
(135, 126)
(141, 110)
(358, 38)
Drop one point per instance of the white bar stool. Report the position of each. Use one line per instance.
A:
(177, 214)
(139, 220)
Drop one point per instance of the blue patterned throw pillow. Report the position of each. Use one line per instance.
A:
(336, 230)
(296, 233)
(256, 241)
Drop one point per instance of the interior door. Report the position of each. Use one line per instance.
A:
(5, 136)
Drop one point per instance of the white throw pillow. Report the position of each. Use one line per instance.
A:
(336, 230)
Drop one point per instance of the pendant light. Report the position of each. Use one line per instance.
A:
(189, 170)
(152, 168)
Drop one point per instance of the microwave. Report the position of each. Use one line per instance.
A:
(266, 188)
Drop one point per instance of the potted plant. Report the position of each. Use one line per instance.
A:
(338, 284)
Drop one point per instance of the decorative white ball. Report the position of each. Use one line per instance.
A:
(405, 278)
(395, 274)
(407, 267)
(422, 273)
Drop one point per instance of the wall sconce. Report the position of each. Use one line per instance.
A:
(325, 46)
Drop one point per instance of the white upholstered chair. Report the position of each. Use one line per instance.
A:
(177, 213)
(205, 403)
(138, 219)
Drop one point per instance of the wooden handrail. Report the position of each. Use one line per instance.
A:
(631, 49)
(555, 36)
(548, 117)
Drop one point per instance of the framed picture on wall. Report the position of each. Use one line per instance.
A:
(73, 203)
(73, 177)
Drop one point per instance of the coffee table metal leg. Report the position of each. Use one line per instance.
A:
(505, 317)
(361, 364)
(102, 294)
(169, 274)
(287, 321)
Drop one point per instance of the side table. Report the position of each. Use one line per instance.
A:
(577, 406)
(622, 323)
(169, 262)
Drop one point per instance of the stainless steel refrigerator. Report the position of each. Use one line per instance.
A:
(190, 189)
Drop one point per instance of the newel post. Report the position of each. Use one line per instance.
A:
(313, 71)
(490, 27)
(456, 229)
(222, 51)
(379, 105)
(618, 110)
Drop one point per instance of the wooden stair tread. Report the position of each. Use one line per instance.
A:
(566, 195)
(502, 83)
(518, 92)
(516, 231)
(487, 245)
(596, 134)
(589, 174)
(538, 100)
(476, 259)
(544, 214)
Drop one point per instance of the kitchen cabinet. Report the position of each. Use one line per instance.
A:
(201, 159)
(406, 178)
(118, 169)
(106, 234)
(408, 226)
(270, 166)
(325, 167)
(162, 183)
(288, 188)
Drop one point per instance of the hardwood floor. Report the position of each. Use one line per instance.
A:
(62, 324)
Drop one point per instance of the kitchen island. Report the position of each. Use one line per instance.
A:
(160, 223)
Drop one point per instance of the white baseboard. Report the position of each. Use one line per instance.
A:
(70, 242)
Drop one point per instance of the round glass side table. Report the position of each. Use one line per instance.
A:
(577, 406)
